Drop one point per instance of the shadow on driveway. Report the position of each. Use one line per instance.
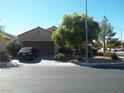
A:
(37, 60)
(48, 57)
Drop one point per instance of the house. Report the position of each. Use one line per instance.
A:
(51, 29)
(39, 38)
(7, 38)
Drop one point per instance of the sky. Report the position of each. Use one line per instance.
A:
(19, 16)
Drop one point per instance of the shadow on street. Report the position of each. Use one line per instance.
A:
(109, 65)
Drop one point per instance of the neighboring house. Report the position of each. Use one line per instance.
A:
(39, 38)
(51, 29)
(7, 38)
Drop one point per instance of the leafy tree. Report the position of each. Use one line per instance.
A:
(1, 32)
(113, 43)
(97, 44)
(106, 32)
(13, 48)
(1, 36)
(71, 32)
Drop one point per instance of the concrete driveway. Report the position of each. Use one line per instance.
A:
(44, 63)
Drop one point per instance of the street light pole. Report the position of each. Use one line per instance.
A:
(86, 27)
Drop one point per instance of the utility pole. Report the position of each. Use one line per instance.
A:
(86, 27)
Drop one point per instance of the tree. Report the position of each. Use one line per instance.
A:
(1, 33)
(106, 32)
(13, 48)
(97, 44)
(113, 43)
(71, 32)
(1, 36)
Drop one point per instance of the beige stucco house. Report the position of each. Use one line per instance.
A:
(7, 38)
(39, 38)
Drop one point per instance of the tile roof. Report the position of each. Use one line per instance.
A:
(51, 29)
(34, 29)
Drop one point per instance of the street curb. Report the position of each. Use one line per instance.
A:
(97, 64)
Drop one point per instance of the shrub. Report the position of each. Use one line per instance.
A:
(4, 57)
(108, 54)
(62, 57)
(79, 57)
(13, 48)
(66, 51)
(100, 54)
(82, 51)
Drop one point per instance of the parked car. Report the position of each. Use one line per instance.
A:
(27, 53)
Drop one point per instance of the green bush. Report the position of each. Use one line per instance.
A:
(4, 57)
(62, 57)
(82, 51)
(78, 57)
(13, 48)
(108, 54)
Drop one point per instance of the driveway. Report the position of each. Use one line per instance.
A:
(44, 63)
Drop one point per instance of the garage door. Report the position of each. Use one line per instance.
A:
(44, 47)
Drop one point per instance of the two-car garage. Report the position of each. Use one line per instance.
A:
(44, 47)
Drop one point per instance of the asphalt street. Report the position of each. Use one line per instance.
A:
(62, 78)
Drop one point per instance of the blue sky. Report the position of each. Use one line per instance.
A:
(19, 16)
